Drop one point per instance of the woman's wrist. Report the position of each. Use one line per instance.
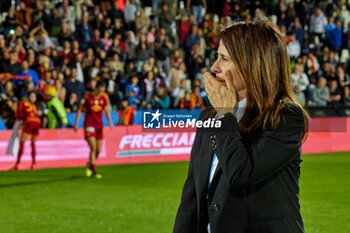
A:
(222, 113)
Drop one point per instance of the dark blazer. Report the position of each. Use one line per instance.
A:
(255, 187)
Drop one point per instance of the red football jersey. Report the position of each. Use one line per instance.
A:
(27, 112)
(94, 107)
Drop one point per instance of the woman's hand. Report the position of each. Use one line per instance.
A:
(222, 97)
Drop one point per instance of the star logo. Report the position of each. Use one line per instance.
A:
(156, 115)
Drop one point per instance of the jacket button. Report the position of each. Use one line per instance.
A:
(216, 207)
(207, 196)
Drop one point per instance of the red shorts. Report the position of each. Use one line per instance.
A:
(31, 127)
(92, 131)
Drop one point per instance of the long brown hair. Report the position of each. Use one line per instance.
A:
(259, 53)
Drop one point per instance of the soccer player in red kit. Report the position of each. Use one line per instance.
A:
(27, 112)
(94, 103)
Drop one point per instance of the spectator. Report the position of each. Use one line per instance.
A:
(142, 20)
(53, 23)
(126, 114)
(10, 90)
(334, 92)
(11, 66)
(151, 85)
(161, 100)
(28, 87)
(176, 58)
(196, 7)
(177, 74)
(329, 27)
(20, 50)
(116, 12)
(318, 23)
(73, 104)
(67, 13)
(130, 10)
(320, 94)
(226, 9)
(196, 61)
(143, 52)
(24, 15)
(39, 38)
(293, 47)
(130, 44)
(106, 40)
(88, 59)
(332, 60)
(344, 83)
(94, 70)
(186, 102)
(162, 50)
(116, 64)
(151, 35)
(10, 20)
(196, 98)
(200, 76)
(297, 28)
(113, 85)
(84, 32)
(61, 90)
(133, 92)
(25, 70)
(118, 47)
(179, 91)
(191, 40)
(336, 36)
(65, 34)
(80, 7)
(299, 95)
(45, 82)
(8, 109)
(299, 78)
(165, 20)
(118, 28)
(338, 15)
(185, 25)
(74, 86)
(312, 64)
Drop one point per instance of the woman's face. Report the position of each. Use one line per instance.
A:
(223, 66)
(161, 91)
(97, 62)
(32, 97)
(8, 87)
(150, 75)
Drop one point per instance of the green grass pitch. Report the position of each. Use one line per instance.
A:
(144, 198)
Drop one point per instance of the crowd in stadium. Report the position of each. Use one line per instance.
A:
(153, 54)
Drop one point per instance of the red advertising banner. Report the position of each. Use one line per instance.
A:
(132, 144)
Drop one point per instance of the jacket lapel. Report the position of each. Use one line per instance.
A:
(218, 170)
(203, 164)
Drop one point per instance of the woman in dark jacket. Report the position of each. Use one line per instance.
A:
(243, 176)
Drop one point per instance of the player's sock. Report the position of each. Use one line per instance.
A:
(33, 152)
(93, 168)
(20, 152)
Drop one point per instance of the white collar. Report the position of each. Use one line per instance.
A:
(237, 111)
(240, 109)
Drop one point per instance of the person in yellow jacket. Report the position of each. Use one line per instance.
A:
(57, 116)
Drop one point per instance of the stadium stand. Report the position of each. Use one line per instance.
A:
(154, 53)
